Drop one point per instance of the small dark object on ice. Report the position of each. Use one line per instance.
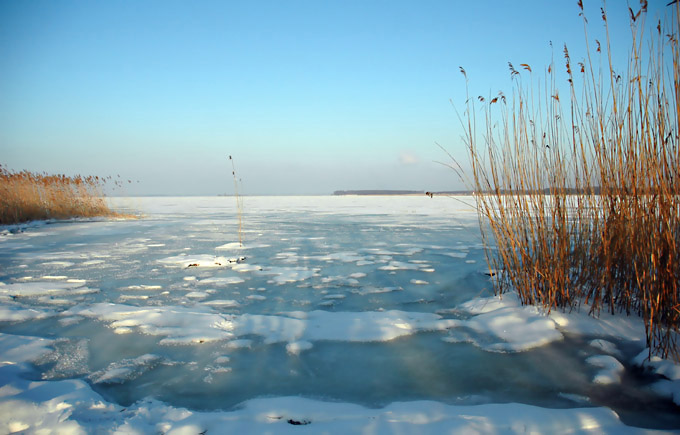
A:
(193, 265)
(430, 194)
(298, 423)
(237, 260)
(492, 273)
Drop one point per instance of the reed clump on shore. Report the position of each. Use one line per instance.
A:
(27, 196)
(581, 192)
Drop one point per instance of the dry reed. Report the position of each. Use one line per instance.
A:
(239, 203)
(582, 194)
(27, 196)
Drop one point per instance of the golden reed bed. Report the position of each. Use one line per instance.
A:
(578, 182)
(27, 196)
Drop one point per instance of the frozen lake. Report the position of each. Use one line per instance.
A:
(367, 301)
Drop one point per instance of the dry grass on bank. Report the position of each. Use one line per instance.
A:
(581, 192)
(26, 196)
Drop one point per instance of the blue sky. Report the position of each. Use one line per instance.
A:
(307, 96)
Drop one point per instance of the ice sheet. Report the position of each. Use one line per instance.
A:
(142, 308)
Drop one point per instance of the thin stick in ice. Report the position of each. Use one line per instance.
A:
(239, 205)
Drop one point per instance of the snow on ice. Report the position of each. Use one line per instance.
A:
(114, 326)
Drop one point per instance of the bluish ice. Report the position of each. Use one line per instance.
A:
(361, 300)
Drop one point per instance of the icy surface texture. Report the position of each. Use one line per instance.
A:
(341, 313)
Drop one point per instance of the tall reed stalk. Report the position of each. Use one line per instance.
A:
(239, 203)
(26, 196)
(581, 193)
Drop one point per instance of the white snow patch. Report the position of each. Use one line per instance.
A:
(611, 369)
(341, 281)
(21, 314)
(72, 320)
(669, 387)
(143, 287)
(508, 326)
(456, 254)
(202, 261)
(197, 295)
(286, 275)
(125, 298)
(524, 327)
(39, 288)
(605, 346)
(240, 344)
(399, 265)
(296, 347)
(224, 303)
(182, 325)
(334, 296)
(244, 267)
(221, 281)
(338, 326)
(179, 325)
(376, 290)
(15, 349)
(73, 407)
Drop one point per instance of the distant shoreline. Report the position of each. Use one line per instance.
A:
(397, 192)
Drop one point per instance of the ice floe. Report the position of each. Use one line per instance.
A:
(168, 300)
(340, 281)
(400, 265)
(611, 369)
(221, 281)
(509, 329)
(605, 346)
(45, 288)
(202, 261)
(224, 303)
(179, 325)
(503, 325)
(183, 325)
(670, 371)
(287, 275)
(244, 267)
(369, 290)
(22, 314)
(143, 287)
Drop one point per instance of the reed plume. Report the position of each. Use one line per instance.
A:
(581, 195)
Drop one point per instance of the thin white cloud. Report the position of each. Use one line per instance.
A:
(408, 158)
